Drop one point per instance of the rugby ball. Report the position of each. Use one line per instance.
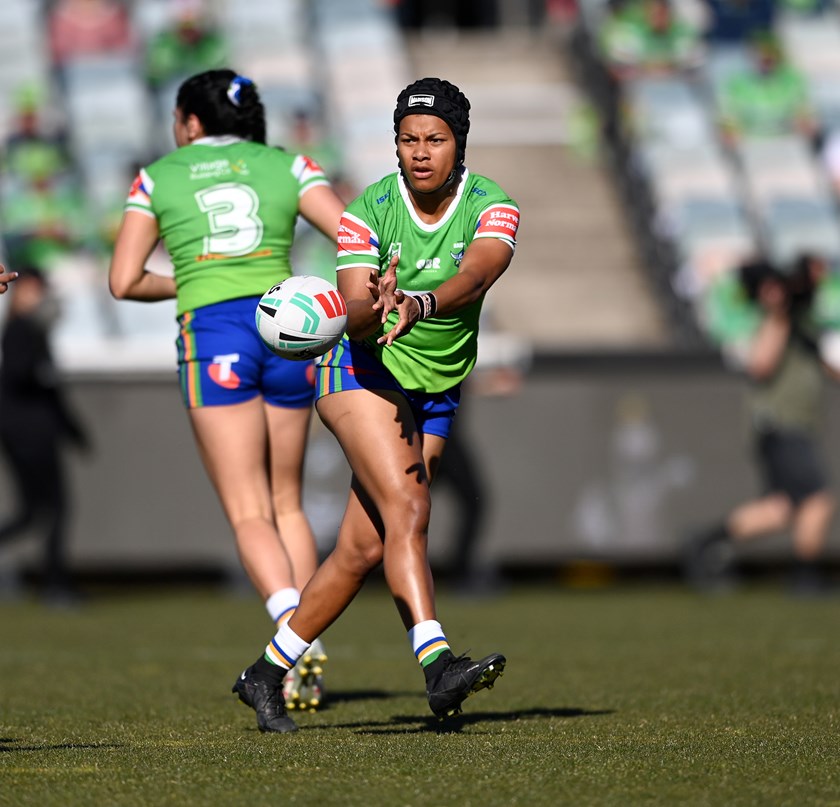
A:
(302, 317)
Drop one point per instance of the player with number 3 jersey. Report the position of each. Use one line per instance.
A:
(225, 206)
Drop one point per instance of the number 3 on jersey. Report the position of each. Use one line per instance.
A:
(235, 227)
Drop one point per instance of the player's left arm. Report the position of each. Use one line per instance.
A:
(484, 262)
(128, 277)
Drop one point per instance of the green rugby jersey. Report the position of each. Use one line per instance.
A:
(439, 352)
(226, 209)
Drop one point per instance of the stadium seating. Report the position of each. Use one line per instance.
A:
(700, 204)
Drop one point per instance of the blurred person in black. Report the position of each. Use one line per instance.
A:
(784, 364)
(35, 422)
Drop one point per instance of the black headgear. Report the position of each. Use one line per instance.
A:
(436, 96)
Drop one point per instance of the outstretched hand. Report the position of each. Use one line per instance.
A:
(384, 289)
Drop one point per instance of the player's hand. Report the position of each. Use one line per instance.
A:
(386, 295)
(408, 309)
(6, 278)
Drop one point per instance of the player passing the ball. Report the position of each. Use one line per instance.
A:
(417, 252)
(225, 205)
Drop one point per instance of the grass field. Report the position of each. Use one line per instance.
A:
(624, 696)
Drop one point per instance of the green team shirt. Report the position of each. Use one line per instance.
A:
(438, 353)
(226, 209)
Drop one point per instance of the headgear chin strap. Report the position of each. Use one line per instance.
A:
(435, 96)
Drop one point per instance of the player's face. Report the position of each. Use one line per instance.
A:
(426, 149)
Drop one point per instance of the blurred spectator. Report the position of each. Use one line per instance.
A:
(786, 368)
(830, 157)
(191, 44)
(414, 14)
(645, 37)
(43, 222)
(80, 28)
(31, 150)
(306, 137)
(35, 424)
(806, 6)
(769, 98)
(737, 21)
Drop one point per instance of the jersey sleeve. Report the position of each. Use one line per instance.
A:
(358, 240)
(308, 174)
(498, 220)
(140, 195)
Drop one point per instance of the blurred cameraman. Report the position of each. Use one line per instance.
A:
(785, 367)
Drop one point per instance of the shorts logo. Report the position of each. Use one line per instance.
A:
(221, 371)
(421, 100)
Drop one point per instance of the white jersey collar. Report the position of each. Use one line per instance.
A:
(450, 211)
(217, 140)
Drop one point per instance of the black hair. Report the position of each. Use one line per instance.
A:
(436, 96)
(225, 103)
(753, 273)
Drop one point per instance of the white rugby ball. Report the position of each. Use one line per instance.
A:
(302, 317)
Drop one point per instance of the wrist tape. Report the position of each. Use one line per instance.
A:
(427, 302)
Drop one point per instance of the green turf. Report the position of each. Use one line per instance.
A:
(615, 697)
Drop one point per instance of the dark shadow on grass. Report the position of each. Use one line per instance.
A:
(415, 724)
(348, 696)
(8, 745)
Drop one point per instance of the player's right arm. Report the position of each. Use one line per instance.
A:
(128, 278)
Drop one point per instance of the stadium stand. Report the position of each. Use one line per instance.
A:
(721, 162)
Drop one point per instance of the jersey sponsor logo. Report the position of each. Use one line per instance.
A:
(428, 263)
(221, 371)
(332, 303)
(499, 220)
(421, 100)
(355, 237)
(479, 191)
(209, 169)
(384, 198)
(217, 256)
(139, 195)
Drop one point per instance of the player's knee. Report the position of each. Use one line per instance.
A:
(360, 559)
(408, 516)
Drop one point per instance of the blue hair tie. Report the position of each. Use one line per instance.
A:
(235, 88)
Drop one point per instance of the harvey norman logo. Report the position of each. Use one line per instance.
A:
(421, 100)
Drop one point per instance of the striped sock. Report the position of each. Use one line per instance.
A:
(427, 641)
(281, 605)
(285, 648)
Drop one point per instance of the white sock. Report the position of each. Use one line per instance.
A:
(427, 641)
(286, 647)
(281, 605)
